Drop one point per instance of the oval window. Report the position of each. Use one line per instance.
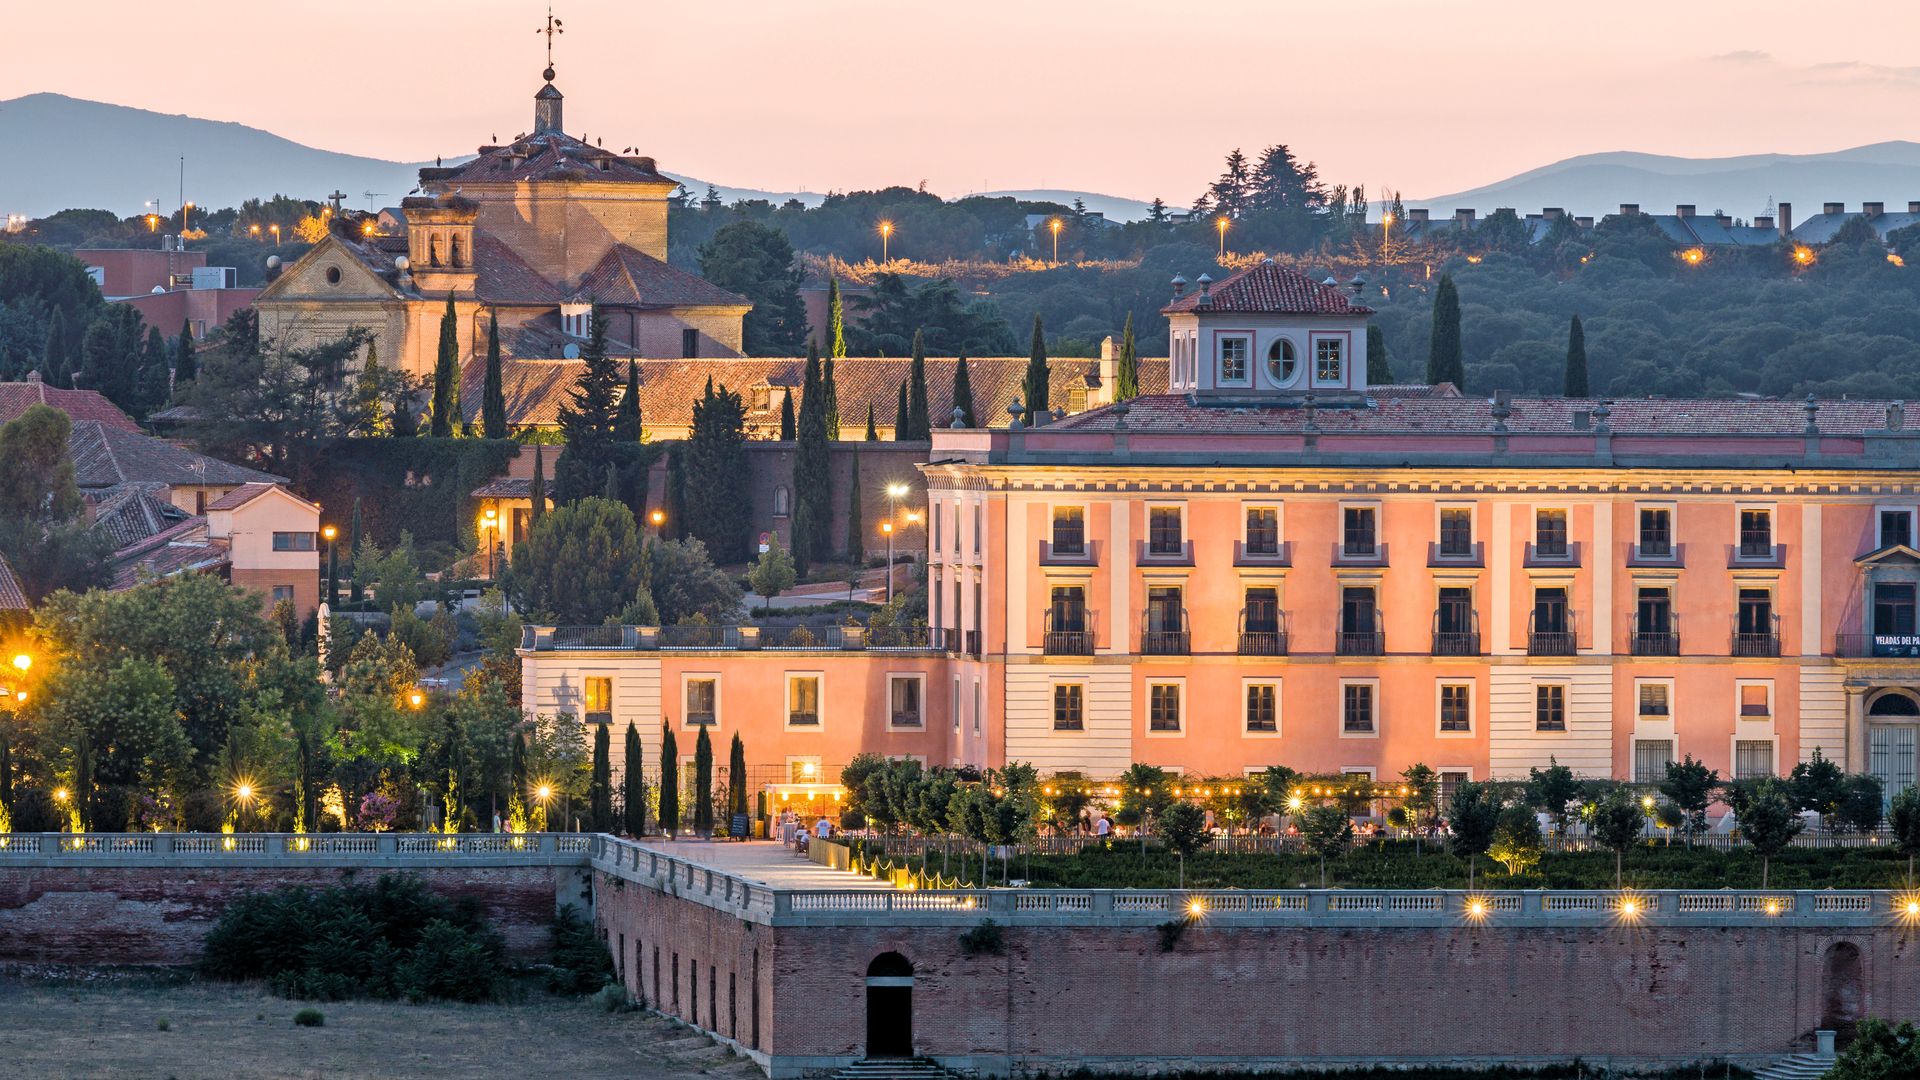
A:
(1282, 365)
(333, 275)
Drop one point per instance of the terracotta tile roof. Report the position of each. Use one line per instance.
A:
(548, 156)
(1426, 413)
(129, 513)
(502, 277)
(12, 597)
(17, 397)
(240, 496)
(176, 550)
(535, 390)
(1270, 289)
(505, 487)
(629, 278)
(104, 456)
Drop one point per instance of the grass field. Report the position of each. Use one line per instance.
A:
(147, 1026)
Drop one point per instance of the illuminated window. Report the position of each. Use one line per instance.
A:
(598, 699)
(1233, 359)
(803, 701)
(1329, 361)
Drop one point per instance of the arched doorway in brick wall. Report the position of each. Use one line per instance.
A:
(890, 1006)
(1842, 988)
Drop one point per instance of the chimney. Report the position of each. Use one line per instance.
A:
(1553, 213)
(1913, 208)
(1629, 209)
(1179, 286)
(1417, 215)
(1786, 219)
(1873, 209)
(1762, 221)
(1206, 289)
(1684, 210)
(1585, 221)
(1833, 208)
(1725, 219)
(1464, 218)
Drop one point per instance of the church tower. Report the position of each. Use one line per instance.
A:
(546, 108)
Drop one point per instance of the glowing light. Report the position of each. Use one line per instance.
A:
(1055, 226)
(1476, 908)
(1913, 909)
(329, 532)
(1693, 256)
(543, 793)
(492, 516)
(1803, 255)
(913, 517)
(886, 527)
(1773, 907)
(1196, 907)
(59, 794)
(898, 491)
(658, 518)
(416, 699)
(366, 228)
(1294, 803)
(22, 661)
(1474, 259)
(243, 791)
(1895, 259)
(1646, 803)
(807, 768)
(1629, 908)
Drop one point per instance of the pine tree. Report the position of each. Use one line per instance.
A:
(873, 433)
(56, 362)
(1126, 374)
(812, 483)
(669, 781)
(900, 414)
(493, 395)
(1379, 364)
(626, 422)
(1444, 363)
(590, 417)
(703, 784)
(917, 390)
(962, 395)
(538, 491)
(836, 321)
(355, 590)
(856, 526)
(600, 788)
(633, 783)
(446, 376)
(185, 367)
(1576, 360)
(832, 395)
(1035, 387)
(787, 429)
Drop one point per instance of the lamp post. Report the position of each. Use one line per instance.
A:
(1386, 225)
(658, 519)
(1221, 226)
(493, 522)
(1054, 225)
(895, 492)
(887, 527)
(333, 567)
(275, 230)
(544, 795)
(886, 234)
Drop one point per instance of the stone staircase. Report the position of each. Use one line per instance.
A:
(1797, 1067)
(694, 1051)
(895, 1069)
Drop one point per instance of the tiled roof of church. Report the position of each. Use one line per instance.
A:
(18, 397)
(1269, 289)
(546, 156)
(633, 278)
(502, 277)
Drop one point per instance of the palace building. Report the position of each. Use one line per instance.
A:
(1273, 563)
(535, 232)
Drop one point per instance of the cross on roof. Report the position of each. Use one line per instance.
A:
(336, 198)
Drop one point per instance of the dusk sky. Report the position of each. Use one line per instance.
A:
(1125, 97)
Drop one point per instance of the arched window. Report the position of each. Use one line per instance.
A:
(782, 501)
(1282, 363)
(433, 250)
(1894, 704)
(459, 258)
(890, 965)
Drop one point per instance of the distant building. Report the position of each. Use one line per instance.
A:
(170, 286)
(1687, 226)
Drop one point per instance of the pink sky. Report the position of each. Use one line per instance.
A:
(1125, 97)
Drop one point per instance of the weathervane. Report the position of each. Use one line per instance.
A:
(553, 27)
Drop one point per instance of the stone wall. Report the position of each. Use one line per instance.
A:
(881, 463)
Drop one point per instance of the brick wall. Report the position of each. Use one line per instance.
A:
(881, 463)
(729, 962)
(160, 914)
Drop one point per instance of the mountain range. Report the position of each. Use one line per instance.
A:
(67, 152)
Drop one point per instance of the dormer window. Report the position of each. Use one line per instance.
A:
(1329, 362)
(1282, 362)
(1233, 359)
(576, 320)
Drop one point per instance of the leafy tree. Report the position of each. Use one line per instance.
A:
(772, 573)
(1517, 843)
(1576, 386)
(669, 781)
(1879, 1051)
(1126, 373)
(1768, 817)
(718, 510)
(1553, 789)
(1034, 388)
(580, 562)
(1904, 818)
(1422, 796)
(962, 395)
(893, 310)
(1617, 823)
(856, 521)
(634, 785)
(1444, 362)
(1473, 815)
(703, 784)
(1689, 786)
(1817, 784)
(1326, 830)
(836, 321)
(736, 777)
(687, 585)
(917, 413)
(600, 792)
(43, 529)
(493, 393)
(1184, 827)
(1860, 805)
(446, 376)
(1145, 794)
(757, 262)
(1379, 364)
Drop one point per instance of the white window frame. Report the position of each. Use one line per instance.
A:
(1086, 521)
(1913, 525)
(1340, 719)
(786, 716)
(1279, 509)
(1673, 527)
(1473, 523)
(1345, 342)
(1279, 712)
(1146, 531)
(1220, 340)
(1146, 716)
(926, 716)
(1667, 682)
(1739, 685)
(1733, 752)
(688, 677)
(1299, 364)
(1473, 706)
(1379, 526)
(1533, 532)
(1773, 529)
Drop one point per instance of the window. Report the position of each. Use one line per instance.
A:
(1261, 614)
(1329, 361)
(1357, 530)
(903, 696)
(689, 343)
(1756, 534)
(1896, 527)
(599, 699)
(703, 701)
(1356, 708)
(1450, 782)
(936, 527)
(1650, 760)
(1756, 613)
(1456, 532)
(1550, 533)
(1550, 708)
(1359, 621)
(1653, 699)
(1233, 359)
(1456, 707)
(1163, 707)
(1282, 364)
(1069, 707)
(1754, 701)
(1068, 610)
(1455, 612)
(283, 593)
(1069, 530)
(803, 701)
(1752, 758)
(782, 501)
(1893, 609)
(333, 275)
(1263, 708)
(1263, 530)
(576, 320)
(1656, 532)
(293, 541)
(1163, 530)
(1166, 621)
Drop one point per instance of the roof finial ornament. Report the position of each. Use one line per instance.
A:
(553, 27)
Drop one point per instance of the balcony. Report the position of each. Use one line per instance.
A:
(1474, 555)
(1655, 637)
(1084, 553)
(1345, 555)
(1152, 554)
(1456, 643)
(1877, 646)
(1066, 632)
(1752, 642)
(736, 638)
(1556, 638)
(1278, 555)
(1553, 555)
(1360, 643)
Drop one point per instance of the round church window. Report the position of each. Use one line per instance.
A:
(333, 275)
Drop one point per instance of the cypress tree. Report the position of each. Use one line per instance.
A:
(626, 421)
(832, 396)
(538, 491)
(1444, 363)
(1576, 359)
(333, 576)
(185, 367)
(354, 589)
(669, 781)
(873, 433)
(836, 321)
(600, 788)
(674, 502)
(1379, 365)
(446, 376)
(612, 491)
(589, 421)
(900, 414)
(154, 380)
(493, 396)
(368, 420)
(812, 481)
(703, 784)
(1127, 372)
(917, 390)
(856, 526)
(1035, 387)
(786, 417)
(962, 395)
(736, 777)
(56, 361)
(634, 784)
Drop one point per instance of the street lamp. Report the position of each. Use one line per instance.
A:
(887, 527)
(416, 699)
(895, 492)
(1221, 225)
(333, 567)
(544, 795)
(275, 230)
(886, 234)
(1386, 224)
(1055, 226)
(657, 518)
(493, 521)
